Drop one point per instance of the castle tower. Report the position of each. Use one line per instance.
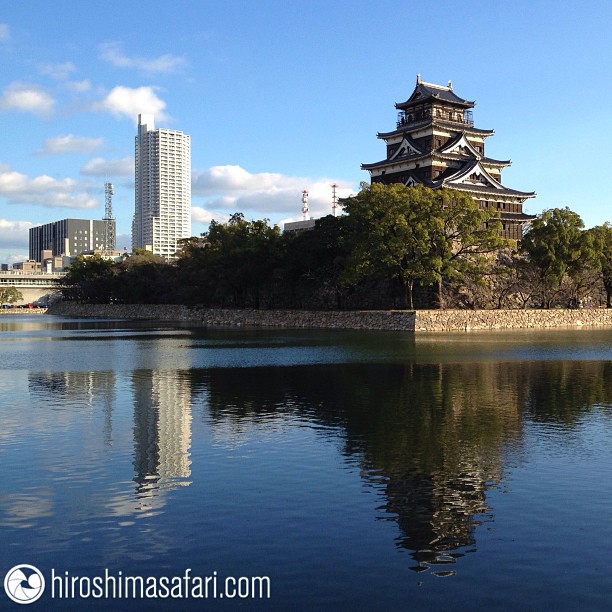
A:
(436, 144)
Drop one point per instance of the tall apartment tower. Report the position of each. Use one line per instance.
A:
(162, 212)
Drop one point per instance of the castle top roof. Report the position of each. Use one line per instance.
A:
(427, 91)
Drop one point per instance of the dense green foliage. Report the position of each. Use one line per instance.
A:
(396, 247)
(601, 253)
(10, 295)
(418, 235)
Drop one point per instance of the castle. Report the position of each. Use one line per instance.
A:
(436, 144)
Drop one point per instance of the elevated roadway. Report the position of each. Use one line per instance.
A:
(34, 286)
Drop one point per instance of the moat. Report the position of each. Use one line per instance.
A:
(362, 470)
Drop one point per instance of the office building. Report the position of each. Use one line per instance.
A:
(162, 211)
(68, 237)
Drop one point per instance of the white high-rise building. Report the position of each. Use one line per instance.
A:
(162, 213)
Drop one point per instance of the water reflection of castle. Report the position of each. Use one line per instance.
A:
(462, 430)
(433, 438)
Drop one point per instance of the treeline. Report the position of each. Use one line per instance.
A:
(395, 247)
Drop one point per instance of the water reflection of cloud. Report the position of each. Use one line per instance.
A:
(22, 510)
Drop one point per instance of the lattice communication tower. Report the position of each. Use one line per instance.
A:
(334, 199)
(305, 204)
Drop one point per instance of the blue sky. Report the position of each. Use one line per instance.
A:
(281, 96)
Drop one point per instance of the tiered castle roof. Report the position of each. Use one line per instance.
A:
(436, 144)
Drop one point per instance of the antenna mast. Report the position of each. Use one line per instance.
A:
(305, 204)
(334, 199)
(109, 222)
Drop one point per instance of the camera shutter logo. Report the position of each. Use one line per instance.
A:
(24, 584)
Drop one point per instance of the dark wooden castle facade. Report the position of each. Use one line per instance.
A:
(436, 144)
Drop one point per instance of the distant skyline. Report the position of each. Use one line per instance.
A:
(284, 96)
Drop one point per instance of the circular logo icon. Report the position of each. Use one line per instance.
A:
(24, 584)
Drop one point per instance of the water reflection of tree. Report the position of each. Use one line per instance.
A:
(433, 436)
(448, 439)
(561, 391)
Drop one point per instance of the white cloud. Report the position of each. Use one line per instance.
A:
(43, 190)
(113, 52)
(58, 71)
(201, 215)
(69, 143)
(78, 86)
(27, 98)
(131, 101)
(14, 234)
(13, 258)
(5, 32)
(98, 166)
(235, 180)
(264, 194)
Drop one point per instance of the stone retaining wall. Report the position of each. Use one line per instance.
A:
(466, 320)
(337, 319)
(419, 321)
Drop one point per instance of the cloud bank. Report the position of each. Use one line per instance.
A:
(14, 234)
(57, 71)
(43, 190)
(226, 189)
(27, 98)
(112, 52)
(69, 143)
(98, 166)
(129, 102)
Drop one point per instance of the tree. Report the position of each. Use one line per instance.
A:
(233, 263)
(555, 245)
(10, 295)
(601, 237)
(88, 279)
(420, 235)
(314, 264)
(467, 239)
(392, 233)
